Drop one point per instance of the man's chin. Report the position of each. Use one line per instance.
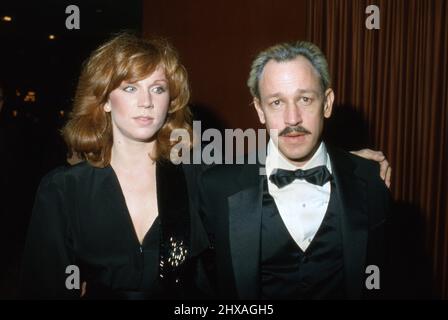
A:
(298, 150)
(296, 156)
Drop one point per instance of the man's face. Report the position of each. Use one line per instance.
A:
(291, 101)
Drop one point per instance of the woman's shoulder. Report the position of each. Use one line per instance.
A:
(78, 172)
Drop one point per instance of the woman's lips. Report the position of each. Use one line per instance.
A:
(144, 121)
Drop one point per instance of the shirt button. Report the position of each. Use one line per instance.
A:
(304, 259)
(303, 205)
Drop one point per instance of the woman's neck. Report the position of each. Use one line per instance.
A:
(132, 155)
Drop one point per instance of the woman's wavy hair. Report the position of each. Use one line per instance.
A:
(126, 57)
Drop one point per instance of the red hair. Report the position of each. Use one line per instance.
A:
(126, 57)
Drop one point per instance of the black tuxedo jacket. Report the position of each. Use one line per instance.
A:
(231, 208)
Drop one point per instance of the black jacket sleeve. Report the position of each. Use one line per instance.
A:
(48, 248)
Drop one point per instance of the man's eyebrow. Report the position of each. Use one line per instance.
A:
(300, 91)
(308, 91)
(272, 95)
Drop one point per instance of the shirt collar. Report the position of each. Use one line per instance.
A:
(276, 160)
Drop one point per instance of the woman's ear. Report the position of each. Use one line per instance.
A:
(107, 107)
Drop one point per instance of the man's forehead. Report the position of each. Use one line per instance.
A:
(298, 75)
(298, 62)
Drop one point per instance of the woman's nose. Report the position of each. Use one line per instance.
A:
(145, 100)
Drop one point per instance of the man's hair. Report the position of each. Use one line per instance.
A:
(125, 57)
(286, 52)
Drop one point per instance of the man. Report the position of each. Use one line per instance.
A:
(312, 225)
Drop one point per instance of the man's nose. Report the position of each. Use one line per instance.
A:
(292, 115)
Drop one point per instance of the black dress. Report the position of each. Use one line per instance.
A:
(80, 219)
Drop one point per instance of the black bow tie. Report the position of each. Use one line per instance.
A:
(318, 175)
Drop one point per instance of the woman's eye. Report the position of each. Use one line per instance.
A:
(159, 90)
(129, 89)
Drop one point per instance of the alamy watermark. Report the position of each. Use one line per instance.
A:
(373, 20)
(73, 279)
(373, 280)
(73, 21)
(233, 144)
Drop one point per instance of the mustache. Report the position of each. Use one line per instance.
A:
(289, 130)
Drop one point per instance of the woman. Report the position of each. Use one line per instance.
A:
(125, 218)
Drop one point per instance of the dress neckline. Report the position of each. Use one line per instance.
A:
(118, 189)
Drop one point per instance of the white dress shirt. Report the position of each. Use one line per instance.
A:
(302, 205)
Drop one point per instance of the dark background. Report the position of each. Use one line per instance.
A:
(30, 143)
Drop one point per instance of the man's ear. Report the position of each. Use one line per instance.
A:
(259, 110)
(107, 107)
(328, 104)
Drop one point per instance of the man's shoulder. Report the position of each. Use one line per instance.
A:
(229, 174)
(367, 170)
(228, 171)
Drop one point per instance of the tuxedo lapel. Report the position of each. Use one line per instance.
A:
(244, 232)
(354, 221)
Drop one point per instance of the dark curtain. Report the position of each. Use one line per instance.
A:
(391, 88)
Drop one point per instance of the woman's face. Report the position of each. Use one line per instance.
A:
(138, 110)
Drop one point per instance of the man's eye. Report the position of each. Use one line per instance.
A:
(275, 103)
(306, 100)
(129, 89)
(159, 90)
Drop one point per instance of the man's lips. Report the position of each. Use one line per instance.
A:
(294, 137)
(294, 134)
